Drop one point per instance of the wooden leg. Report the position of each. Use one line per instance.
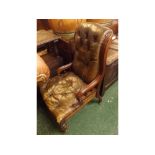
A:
(99, 98)
(102, 90)
(63, 126)
(98, 94)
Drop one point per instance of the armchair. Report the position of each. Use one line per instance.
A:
(66, 93)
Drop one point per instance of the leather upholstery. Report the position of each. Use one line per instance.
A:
(59, 94)
(43, 71)
(88, 39)
(112, 54)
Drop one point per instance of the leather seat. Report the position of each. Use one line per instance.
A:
(59, 94)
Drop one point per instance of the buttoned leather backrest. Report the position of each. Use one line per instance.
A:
(88, 38)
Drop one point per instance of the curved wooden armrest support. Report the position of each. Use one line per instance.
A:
(90, 86)
(62, 68)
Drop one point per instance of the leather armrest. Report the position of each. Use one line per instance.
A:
(90, 86)
(62, 68)
(42, 78)
(43, 71)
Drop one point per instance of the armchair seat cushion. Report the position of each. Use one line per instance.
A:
(59, 94)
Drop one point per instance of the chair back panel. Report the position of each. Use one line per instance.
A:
(88, 46)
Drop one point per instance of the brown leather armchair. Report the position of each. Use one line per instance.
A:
(67, 93)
